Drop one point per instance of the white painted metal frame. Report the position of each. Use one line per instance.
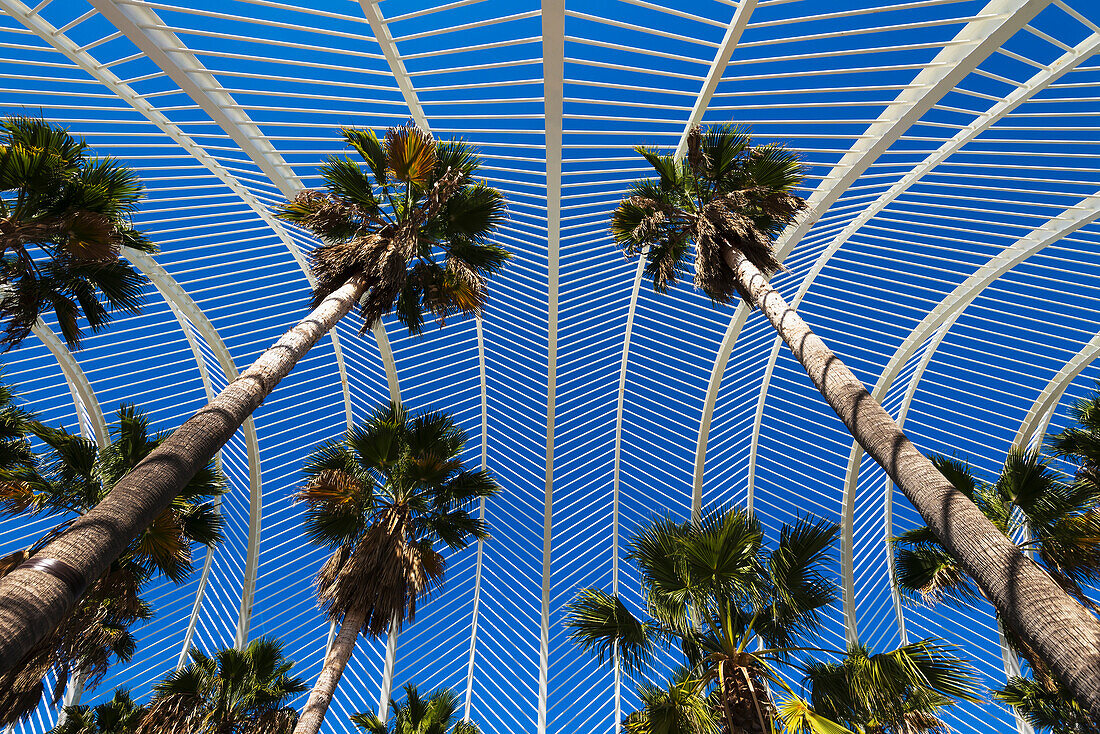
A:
(553, 69)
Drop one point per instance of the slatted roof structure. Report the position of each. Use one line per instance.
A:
(950, 255)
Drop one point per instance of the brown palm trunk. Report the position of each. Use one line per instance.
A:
(320, 698)
(36, 596)
(1041, 613)
(746, 701)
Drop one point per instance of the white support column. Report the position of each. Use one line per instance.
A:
(382, 34)
(79, 387)
(553, 74)
(1066, 223)
(481, 515)
(996, 22)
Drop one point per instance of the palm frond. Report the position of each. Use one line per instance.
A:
(602, 625)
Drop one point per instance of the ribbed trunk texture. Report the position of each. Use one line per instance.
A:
(320, 698)
(33, 601)
(1059, 629)
(746, 702)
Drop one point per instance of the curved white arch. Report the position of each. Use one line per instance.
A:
(79, 386)
(979, 38)
(1069, 221)
(1038, 417)
(86, 405)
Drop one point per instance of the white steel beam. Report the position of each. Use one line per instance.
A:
(1038, 418)
(553, 74)
(721, 58)
(481, 515)
(381, 30)
(717, 68)
(952, 305)
(1037, 83)
(89, 419)
(995, 23)
(80, 388)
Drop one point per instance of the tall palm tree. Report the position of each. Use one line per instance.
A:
(436, 714)
(233, 692)
(715, 590)
(1056, 520)
(63, 219)
(408, 231)
(1051, 711)
(68, 482)
(382, 497)
(902, 691)
(730, 199)
(120, 715)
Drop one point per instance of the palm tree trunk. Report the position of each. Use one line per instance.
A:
(37, 595)
(320, 698)
(1059, 629)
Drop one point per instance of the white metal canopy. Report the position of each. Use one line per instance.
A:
(950, 255)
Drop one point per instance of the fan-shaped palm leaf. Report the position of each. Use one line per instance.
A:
(63, 220)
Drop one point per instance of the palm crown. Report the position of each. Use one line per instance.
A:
(382, 497)
(725, 194)
(436, 714)
(898, 692)
(413, 224)
(73, 212)
(232, 692)
(120, 715)
(712, 589)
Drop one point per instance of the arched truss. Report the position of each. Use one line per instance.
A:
(421, 76)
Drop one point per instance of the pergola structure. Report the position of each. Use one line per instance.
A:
(950, 255)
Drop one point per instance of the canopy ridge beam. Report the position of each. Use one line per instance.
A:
(381, 30)
(977, 40)
(945, 312)
(729, 43)
(553, 71)
(84, 398)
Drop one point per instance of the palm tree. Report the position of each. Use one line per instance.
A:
(436, 714)
(234, 692)
(69, 481)
(408, 232)
(1046, 709)
(120, 715)
(898, 692)
(730, 199)
(381, 498)
(1056, 520)
(1079, 443)
(16, 426)
(64, 218)
(714, 590)
(681, 707)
